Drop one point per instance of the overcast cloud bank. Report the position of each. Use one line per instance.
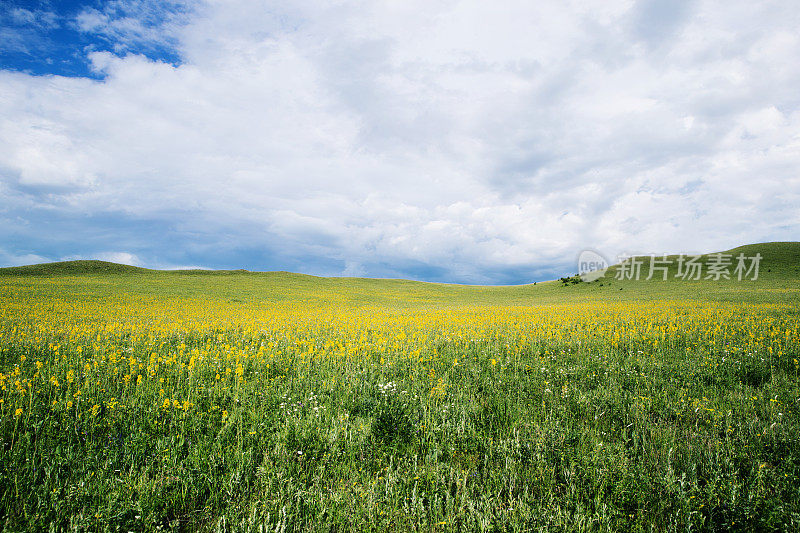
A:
(443, 141)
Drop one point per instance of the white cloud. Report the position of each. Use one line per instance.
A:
(446, 140)
(134, 23)
(36, 18)
(12, 259)
(123, 258)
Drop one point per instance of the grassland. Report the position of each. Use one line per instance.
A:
(143, 400)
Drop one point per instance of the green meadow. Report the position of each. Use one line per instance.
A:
(141, 400)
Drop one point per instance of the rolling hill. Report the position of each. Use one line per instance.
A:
(778, 280)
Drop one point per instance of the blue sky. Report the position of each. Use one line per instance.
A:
(54, 37)
(457, 141)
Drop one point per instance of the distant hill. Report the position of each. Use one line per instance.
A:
(91, 266)
(779, 260)
(778, 281)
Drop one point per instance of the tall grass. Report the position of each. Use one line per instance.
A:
(136, 412)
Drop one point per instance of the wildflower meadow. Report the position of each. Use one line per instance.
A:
(146, 401)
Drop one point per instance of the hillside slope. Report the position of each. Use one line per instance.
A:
(778, 280)
(71, 268)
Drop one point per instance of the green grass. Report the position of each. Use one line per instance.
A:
(346, 404)
(779, 280)
(71, 267)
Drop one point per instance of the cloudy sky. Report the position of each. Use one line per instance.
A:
(460, 141)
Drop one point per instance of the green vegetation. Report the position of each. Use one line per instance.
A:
(140, 400)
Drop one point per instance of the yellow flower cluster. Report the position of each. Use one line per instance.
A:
(91, 356)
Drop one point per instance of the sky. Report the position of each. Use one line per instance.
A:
(449, 141)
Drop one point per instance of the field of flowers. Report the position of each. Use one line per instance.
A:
(130, 411)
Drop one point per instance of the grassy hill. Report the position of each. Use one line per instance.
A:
(62, 268)
(778, 277)
(778, 280)
(779, 261)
